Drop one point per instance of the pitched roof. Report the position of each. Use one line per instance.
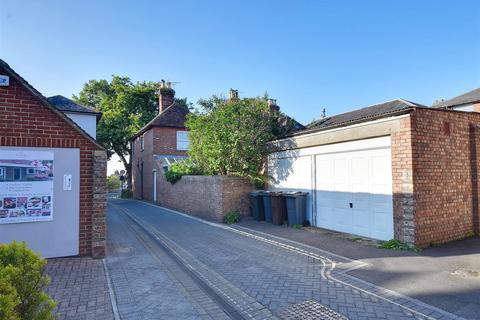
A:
(47, 104)
(469, 97)
(364, 114)
(173, 116)
(67, 105)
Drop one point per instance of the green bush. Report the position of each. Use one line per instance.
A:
(22, 283)
(113, 182)
(232, 217)
(182, 168)
(397, 245)
(126, 194)
(230, 137)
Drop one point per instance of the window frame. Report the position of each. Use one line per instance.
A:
(182, 140)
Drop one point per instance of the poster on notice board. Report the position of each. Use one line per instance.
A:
(26, 186)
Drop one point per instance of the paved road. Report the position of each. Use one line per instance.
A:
(446, 276)
(168, 266)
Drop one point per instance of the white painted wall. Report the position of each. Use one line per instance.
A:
(85, 121)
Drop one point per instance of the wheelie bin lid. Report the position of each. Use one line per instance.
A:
(294, 194)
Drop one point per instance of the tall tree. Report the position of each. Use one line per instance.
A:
(126, 107)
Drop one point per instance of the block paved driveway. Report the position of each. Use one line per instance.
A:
(165, 265)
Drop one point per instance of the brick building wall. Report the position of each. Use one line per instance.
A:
(26, 122)
(445, 161)
(402, 182)
(157, 141)
(208, 197)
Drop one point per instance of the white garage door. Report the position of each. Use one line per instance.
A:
(353, 190)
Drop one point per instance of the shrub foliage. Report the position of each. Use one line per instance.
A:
(229, 137)
(181, 168)
(232, 217)
(22, 283)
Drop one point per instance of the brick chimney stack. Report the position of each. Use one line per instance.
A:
(233, 94)
(166, 96)
(272, 105)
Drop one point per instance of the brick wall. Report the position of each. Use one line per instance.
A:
(402, 177)
(444, 159)
(157, 141)
(208, 197)
(26, 122)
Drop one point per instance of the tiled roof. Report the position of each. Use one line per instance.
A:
(44, 100)
(469, 97)
(364, 114)
(64, 104)
(174, 116)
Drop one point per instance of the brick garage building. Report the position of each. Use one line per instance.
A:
(28, 122)
(393, 170)
(158, 144)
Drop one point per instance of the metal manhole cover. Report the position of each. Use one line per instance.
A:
(310, 310)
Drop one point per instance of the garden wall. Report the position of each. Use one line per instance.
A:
(208, 197)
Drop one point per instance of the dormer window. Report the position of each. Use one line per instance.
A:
(182, 140)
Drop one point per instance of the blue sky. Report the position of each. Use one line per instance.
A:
(308, 54)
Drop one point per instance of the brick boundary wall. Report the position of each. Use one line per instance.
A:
(208, 197)
(26, 122)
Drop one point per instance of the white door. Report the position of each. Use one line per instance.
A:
(354, 190)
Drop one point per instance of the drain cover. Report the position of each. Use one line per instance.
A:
(310, 310)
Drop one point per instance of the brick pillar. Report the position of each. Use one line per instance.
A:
(402, 175)
(99, 229)
(474, 169)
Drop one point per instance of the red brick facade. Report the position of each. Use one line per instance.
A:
(25, 121)
(402, 179)
(157, 141)
(443, 146)
(435, 168)
(208, 197)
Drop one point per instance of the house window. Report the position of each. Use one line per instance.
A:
(182, 140)
(142, 143)
(30, 171)
(2, 173)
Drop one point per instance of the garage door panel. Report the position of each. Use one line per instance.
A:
(362, 178)
(342, 218)
(361, 222)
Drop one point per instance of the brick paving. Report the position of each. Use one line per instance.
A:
(267, 275)
(80, 287)
(147, 284)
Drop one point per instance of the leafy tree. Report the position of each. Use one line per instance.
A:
(113, 182)
(22, 283)
(229, 137)
(126, 107)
